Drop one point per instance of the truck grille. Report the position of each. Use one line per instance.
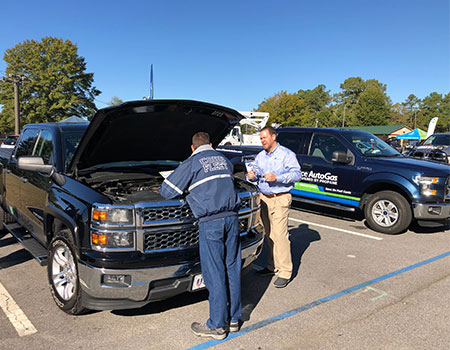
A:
(182, 213)
(178, 238)
(171, 239)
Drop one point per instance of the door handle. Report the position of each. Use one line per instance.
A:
(307, 165)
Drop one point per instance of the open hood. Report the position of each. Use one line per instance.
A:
(150, 130)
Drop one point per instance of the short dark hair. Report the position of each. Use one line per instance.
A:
(199, 139)
(270, 129)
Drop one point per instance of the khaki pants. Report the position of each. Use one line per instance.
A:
(274, 215)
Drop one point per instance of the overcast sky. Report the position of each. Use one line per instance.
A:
(237, 53)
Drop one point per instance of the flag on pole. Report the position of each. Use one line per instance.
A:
(151, 83)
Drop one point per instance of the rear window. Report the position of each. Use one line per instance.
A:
(292, 140)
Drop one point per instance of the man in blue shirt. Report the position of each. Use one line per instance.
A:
(208, 176)
(276, 168)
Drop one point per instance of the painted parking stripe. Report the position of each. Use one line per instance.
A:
(318, 302)
(337, 229)
(15, 314)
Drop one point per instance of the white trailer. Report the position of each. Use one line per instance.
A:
(256, 121)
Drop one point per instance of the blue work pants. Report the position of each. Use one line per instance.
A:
(220, 258)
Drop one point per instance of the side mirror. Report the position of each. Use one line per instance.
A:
(33, 163)
(341, 157)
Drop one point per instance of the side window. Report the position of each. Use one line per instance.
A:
(26, 143)
(292, 140)
(323, 146)
(44, 147)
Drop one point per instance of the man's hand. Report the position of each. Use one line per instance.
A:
(251, 175)
(270, 177)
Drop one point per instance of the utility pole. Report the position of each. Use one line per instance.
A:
(17, 80)
(343, 118)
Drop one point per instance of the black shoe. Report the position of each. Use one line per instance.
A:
(234, 326)
(202, 330)
(281, 282)
(265, 272)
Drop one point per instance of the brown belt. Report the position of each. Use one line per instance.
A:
(275, 194)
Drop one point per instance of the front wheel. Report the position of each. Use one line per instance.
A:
(63, 274)
(388, 212)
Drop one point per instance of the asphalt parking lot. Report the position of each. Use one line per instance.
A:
(353, 288)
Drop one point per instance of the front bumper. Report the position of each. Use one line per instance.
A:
(146, 285)
(431, 211)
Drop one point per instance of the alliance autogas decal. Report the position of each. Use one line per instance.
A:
(323, 178)
(324, 193)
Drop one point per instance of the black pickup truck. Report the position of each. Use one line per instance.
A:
(354, 170)
(83, 199)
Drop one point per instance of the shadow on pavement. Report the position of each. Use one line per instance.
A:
(424, 227)
(165, 305)
(301, 237)
(7, 241)
(15, 258)
(328, 212)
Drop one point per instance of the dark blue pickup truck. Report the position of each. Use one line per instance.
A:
(350, 170)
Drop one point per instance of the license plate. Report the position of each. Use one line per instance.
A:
(198, 282)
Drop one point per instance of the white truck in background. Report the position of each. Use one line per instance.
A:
(254, 120)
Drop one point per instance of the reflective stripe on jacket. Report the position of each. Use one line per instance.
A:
(208, 176)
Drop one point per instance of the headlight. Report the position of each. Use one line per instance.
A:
(112, 216)
(112, 239)
(426, 184)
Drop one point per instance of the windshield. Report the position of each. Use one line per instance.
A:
(371, 146)
(438, 140)
(71, 141)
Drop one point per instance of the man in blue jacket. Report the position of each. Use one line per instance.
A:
(208, 176)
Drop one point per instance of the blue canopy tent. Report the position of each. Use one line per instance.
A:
(415, 134)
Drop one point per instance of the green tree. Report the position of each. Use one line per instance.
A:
(59, 85)
(372, 107)
(304, 108)
(283, 108)
(435, 105)
(364, 102)
(115, 101)
(412, 105)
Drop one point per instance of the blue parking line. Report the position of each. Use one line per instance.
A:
(324, 300)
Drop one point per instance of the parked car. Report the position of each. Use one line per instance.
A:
(436, 148)
(9, 142)
(355, 170)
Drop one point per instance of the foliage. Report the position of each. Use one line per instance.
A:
(359, 103)
(59, 85)
(435, 105)
(115, 101)
(304, 108)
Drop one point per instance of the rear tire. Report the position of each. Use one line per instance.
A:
(63, 274)
(388, 212)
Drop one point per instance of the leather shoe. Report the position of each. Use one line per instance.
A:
(265, 272)
(281, 282)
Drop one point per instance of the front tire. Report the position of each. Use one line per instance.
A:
(388, 212)
(63, 274)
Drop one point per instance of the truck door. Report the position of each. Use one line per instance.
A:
(35, 190)
(14, 176)
(323, 179)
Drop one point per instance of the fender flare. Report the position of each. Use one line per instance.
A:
(55, 212)
(393, 181)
